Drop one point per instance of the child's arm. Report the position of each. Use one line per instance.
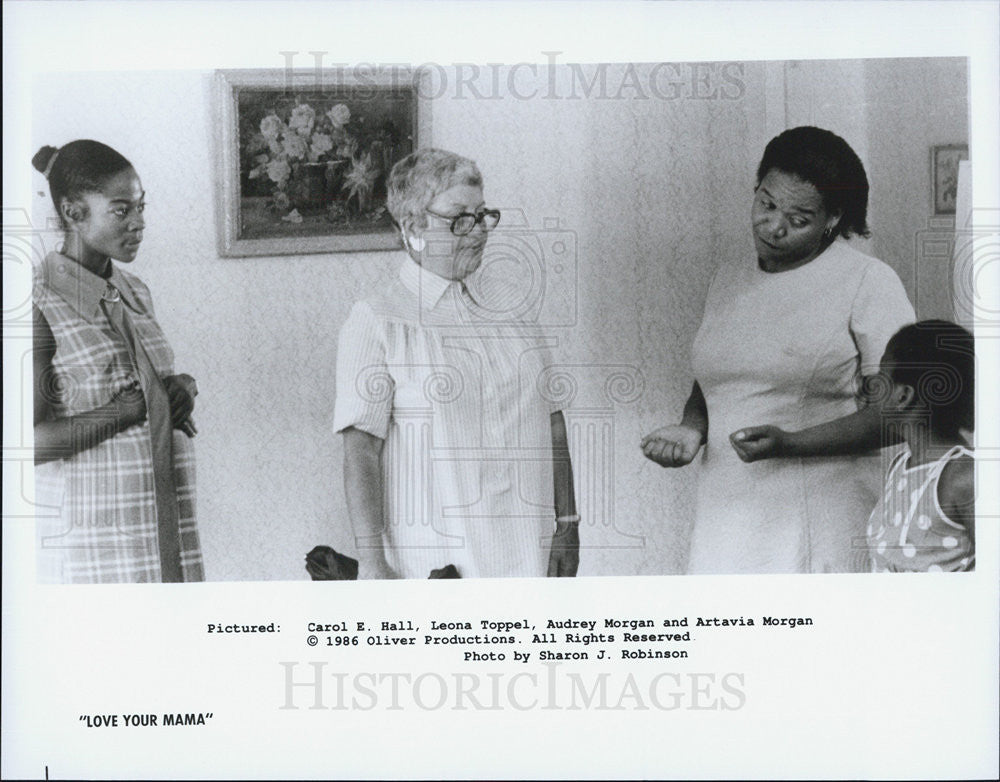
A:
(956, 493)
(60, 438)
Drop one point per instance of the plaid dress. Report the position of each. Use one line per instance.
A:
(96, 510)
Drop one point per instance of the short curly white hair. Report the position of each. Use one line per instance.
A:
(420, 177)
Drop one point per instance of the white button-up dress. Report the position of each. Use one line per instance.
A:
(446, 374)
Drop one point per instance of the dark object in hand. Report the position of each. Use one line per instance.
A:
(325, 564)
(448, 571)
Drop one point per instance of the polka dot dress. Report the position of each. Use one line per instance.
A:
(908, 531)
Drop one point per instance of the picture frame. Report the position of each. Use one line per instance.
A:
(303, 155)
(944, 175)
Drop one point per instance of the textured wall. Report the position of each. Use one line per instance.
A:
(651, 186)
(914, 107)
(893, 111)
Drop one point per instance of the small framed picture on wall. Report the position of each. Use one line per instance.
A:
(944, 175)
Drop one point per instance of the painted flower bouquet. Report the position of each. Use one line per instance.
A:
(322, 162)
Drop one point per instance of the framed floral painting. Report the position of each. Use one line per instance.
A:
(303, 158)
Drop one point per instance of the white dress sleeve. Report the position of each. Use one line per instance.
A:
(365, 388)
(880, 309)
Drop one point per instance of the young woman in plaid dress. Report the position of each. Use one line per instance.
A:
(114, 465)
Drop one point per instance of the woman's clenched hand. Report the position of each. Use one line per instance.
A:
(672, 446)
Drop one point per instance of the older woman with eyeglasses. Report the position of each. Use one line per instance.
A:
(451, 455)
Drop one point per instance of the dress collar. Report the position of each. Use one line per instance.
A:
(830, 251)
(81, 288)
(428, 287)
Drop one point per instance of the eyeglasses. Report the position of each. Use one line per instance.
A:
(463, 223)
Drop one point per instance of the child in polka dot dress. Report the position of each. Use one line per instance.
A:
(925, 519)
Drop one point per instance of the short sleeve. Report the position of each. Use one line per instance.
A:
(364, 386)
(880, 309)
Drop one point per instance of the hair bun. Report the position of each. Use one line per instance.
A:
(43, 158)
